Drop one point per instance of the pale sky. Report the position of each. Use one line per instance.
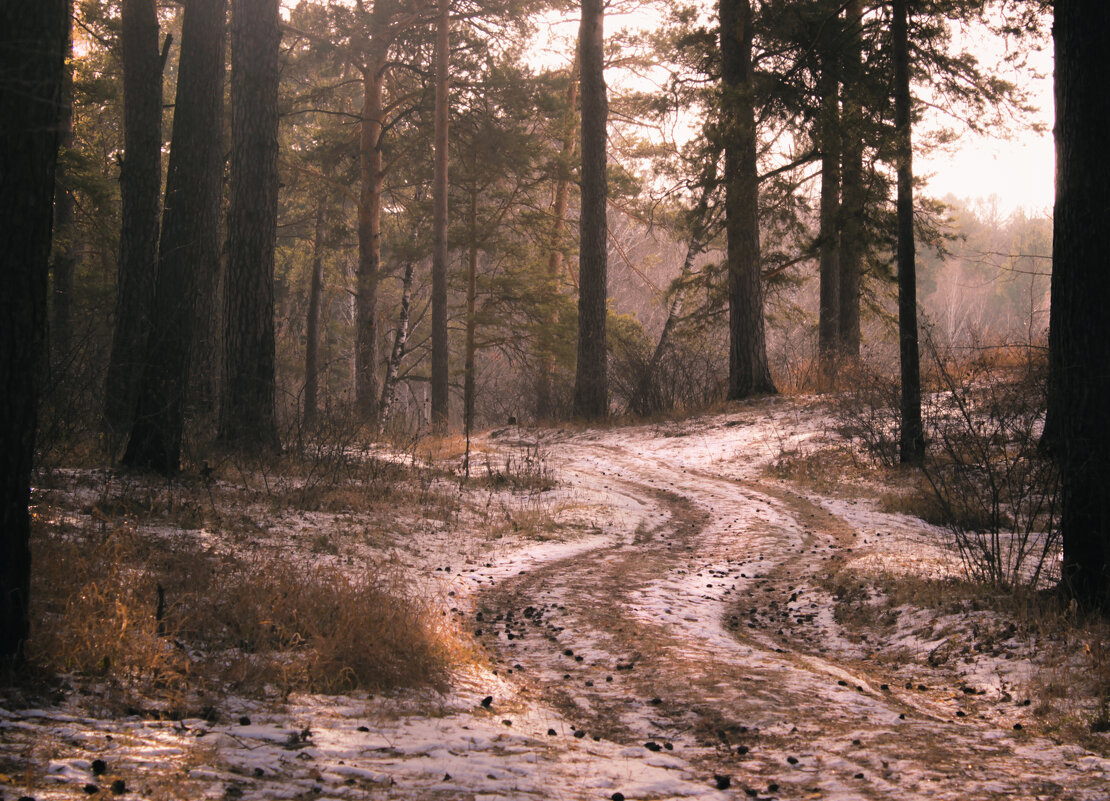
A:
(1018, 170)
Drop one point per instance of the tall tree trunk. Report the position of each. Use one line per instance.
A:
(591, 382)
(400, 338)
(852, 198)
(440, 368)
(140, 185)
(312, 324)
(1079, 340)
(190, 240)
(912, 443)
(545, 404)
(32, 62)
(369, 242)
(749, 373)
(828, 326)
(247, 415)
(469, 376)
(64, 259)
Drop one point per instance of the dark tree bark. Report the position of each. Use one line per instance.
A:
(749, 373)
(64, 259)
(369, 241)
(545, 404)
(140, 185)
(1079, 339)
(591, 382)
(828, 325)
(190, 239)
(852, 198)
(247, 415)
(440, 367)
(911, 448)
(33, 39)
(312, 324)
(470, 377)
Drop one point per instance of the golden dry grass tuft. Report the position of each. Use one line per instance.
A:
(450, 447)
(166, 622)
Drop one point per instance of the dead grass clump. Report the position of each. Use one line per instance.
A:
(433, 449)
(824, 470)
(531, 516)
(165, 622)
(324, 630)
(96, 612)
(523, 468)
(915, 501)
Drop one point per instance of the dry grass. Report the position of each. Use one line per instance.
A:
(829, 471)
(915, 500)
(530, 515)
(167, 623)
(439, 449)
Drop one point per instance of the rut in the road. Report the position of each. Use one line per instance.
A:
(762, 704)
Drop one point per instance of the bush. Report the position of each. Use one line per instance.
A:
(869, 412)
(690, 373)
(986, 480)
(999, 494)
(166, 621)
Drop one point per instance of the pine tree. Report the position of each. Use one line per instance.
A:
(247, 415)
(749, 373)
(33, 40)
(440, 347)
(140, 187)
(1079, 339)
(591, 383)
(829, 142)
(911, 447)
(189, 244)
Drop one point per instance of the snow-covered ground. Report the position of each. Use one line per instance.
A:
(684, 628)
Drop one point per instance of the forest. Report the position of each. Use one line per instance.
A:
(550, 399)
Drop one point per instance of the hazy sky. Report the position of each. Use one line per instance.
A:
(1019, 170)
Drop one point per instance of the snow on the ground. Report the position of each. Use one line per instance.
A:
(721, 600)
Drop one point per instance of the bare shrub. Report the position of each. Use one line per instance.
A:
(999, 494)
(985, 479)
(520, 465)
(689, 373)
(868, 410)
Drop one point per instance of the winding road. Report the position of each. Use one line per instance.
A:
(704, 635)
(685, 633)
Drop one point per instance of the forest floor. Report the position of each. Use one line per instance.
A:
(717, 607)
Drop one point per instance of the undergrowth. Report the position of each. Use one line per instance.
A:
(984, 479)
(168, 622)
(166, 595)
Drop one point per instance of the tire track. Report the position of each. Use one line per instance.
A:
(683, 638)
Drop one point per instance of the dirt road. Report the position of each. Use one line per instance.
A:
(708, 633)
(681, 634)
